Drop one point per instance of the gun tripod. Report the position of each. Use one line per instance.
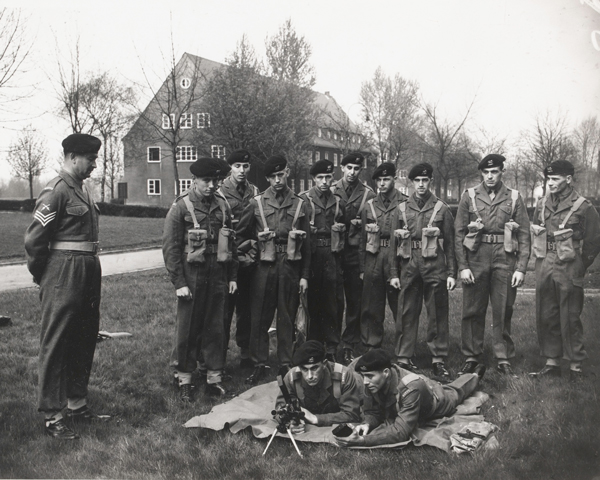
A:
(279, 428)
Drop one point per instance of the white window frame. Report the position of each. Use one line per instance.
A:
(310, 183)
(186, 153)
(326, 155)
(402, 174)
(186, 121)
(293, 184)
(203, 120)
(184, 184)
(328, 133)
(317, 156)
(219, 149)
(151, 186)
(301, 184)
(335, 135)
(148, 155)
(168, 121)
(404, 190)
(335, 159)
(319, 133)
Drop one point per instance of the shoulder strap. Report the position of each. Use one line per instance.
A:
(402, 208)
(411, 377)
(190, 207)
(543, 211)
(337, 208)
(225, 198)
(297, 378)
(255, 190)
(574, 208)
(223, 209)
(336, 378)
(438, 206)
(262, 213)
(297, 214)
(312, 206)
(362, 203)
(373, 210)
(473, 202)
(514, 195)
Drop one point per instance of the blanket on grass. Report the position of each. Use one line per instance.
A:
(253, 409)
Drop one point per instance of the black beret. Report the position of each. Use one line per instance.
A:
(81, 143)
(356, 158)
(239, 156)
(209, 167)
(309, 353)
(492, 160)
(420, 170)
(374, 360)
(559, 167)
(275, 164)
(386, 169)
(322, 166)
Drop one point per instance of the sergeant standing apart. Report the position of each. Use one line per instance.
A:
(238, 192)
(201, 258)
(62, 246)
(492, 250)
(566, 240)
(328, 235)
(378, 264)
(327, 392)
(427, 272)
(354, 195)
(396, 400)
(277, 219)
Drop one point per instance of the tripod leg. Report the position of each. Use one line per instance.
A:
(270, 440)
(294, 442)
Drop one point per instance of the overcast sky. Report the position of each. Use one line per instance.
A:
(516, 57)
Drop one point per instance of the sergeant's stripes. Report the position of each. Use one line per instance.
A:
(44, 219)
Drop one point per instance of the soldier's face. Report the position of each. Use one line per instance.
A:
(312, 373)
(323, 181)
(385, 184)
(421, 185)
(375, 380)
(558, 183)
(279, 180)
(351, 173)
(83, 164)
(239, 171)
(205, 186)
(492, 176)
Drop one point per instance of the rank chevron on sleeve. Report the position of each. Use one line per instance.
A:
(44, 219)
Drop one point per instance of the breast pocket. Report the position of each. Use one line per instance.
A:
(78, 218)
(505, 212)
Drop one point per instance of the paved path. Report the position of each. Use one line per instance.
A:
(13, 277)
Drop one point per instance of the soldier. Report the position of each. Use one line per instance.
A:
(199, 253)
(354, 195)
(492, 249)
(238, 192)
(378, 264)
(62, 256)
(277, 219)
(396, 400)
(325, 286)
(566, 240)
(428, 271)
(327, 392)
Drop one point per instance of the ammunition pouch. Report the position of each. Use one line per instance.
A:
(196, 245)
(248, 253)
(473, 239)
(429, 242)
(266, 246)
(565, 249)
(225, 245)
(354, 232)
(294, 244)
(403, 243)
(338, 237)
(539, 241)
(373, 237)
(511, 243)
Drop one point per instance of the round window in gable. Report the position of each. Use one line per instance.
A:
(185, 82)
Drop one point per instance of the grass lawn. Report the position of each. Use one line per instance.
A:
(115, 233)
(548, 429)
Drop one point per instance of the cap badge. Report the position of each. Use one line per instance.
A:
(424, 172)
(490, 162)
(311, 360)
(550, 170)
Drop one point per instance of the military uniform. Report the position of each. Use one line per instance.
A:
(335, 399)
(379, 268)
(199, 320)
(353, 199)
(491, 266)
(275, 285)
(424, 279)
(325, 284)
(559, 284)
(62, 246)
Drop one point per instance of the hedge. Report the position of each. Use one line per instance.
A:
(110, 209)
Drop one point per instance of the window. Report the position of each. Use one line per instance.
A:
(317, 156)
(320, 133)
(335, 159)
(204, 120)
(402, 174)
(154, 154)
(122, 189)
(185, 83)
(328, 133)
(310, 183)
(358, 139)
(168, 121)
(293, 184)
(153, 186)
(335, 135)
(326, 156)
(310, 159)
(186, 120)
(404, 190)
(186, 153)
(301, 184)
(217, 151)
(184, 184)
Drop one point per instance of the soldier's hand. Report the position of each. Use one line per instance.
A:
(467, 277)
(517, 279)
(184, 293)
(362, 276)
(309, 417)
(303, 285)
(232, 287)
(450, 283)
(395, 282)
(298, 428)
(354, 439)
(362, 429)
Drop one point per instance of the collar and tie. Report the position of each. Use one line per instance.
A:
(241, 188)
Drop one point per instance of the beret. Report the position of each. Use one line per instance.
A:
(81, 143)
(239, 156)
(420, 170)
(492, 160)
(274, 164)
(356, 158)
(322, 166)
(386, 169)
(559, 167)
(309, 353)
(374, 360)
(209, 167)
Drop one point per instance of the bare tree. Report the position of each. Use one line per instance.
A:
(586, 139)
(27, 157)
(14, 49)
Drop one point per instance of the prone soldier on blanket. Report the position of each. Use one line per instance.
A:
(328, 393)
(201, 259)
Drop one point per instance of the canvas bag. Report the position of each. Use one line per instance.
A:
(373, 233)
(430, 234)
(196, 237)
(295, 237)
(225, 243)
(338, 231)
(511, 243)
(563, 237)
(539, 235)
(473, 238)
(355, 224)
(403, 237)
(266, 238)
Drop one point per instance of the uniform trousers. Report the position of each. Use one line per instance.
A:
(240, 303)
(353, 286)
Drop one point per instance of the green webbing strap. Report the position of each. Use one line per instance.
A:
(262, 213)
(373, 210)
(297, 214)
(402, 208)
(312, 206)
(473, 202)
(436, 209)
(574, 208)
(362, 203)
(336, 378)
(543, 212)
(225, 198)
(190, 207)
(514, 195)
(297, 376)
(337, 208)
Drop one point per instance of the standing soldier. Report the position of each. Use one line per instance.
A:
(201, 258)
(566, 240)
(427, 272)
(62, 256)
(328, 234)
(277, 220)
(354, 195)
(378, 264)
(492, 249)
(238, 192)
